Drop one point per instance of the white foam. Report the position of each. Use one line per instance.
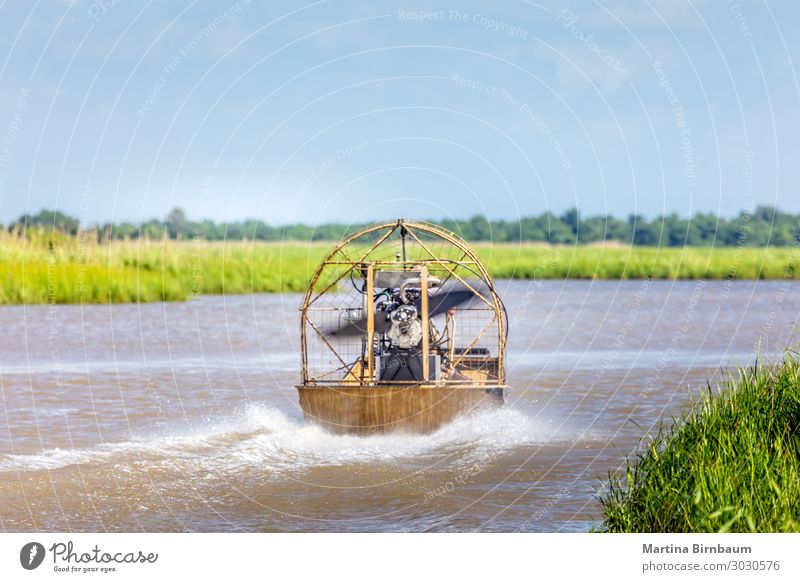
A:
(266, 439)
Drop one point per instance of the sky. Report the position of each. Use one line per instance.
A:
(288, 112)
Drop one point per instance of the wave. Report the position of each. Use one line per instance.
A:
(266, 439)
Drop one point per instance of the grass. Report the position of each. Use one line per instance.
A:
(38, 269)
(47, 267)
(592, 262)
(731, 465)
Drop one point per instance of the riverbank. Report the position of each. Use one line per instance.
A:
(731, 465)
(40, 269)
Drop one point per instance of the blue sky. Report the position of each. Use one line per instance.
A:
(352, 111)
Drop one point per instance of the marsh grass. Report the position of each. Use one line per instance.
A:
(621, 262)
(49, 267)
(732, 464)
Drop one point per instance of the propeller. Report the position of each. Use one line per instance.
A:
(446, 297)
(358, 327)
(450, 295)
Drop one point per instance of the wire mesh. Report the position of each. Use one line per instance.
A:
(468, 337)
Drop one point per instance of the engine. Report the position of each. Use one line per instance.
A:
(406, 330)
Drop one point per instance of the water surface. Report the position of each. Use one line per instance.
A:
(183, 417)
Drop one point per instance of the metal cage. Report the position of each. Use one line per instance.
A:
(470, 339)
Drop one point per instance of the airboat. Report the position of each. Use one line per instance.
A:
(401, 330)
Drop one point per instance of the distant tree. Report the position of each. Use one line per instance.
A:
(592, 229)
(52, 219)
(764, 213)
(765, 226)
(530, 229)
(646, 234)
(176, 223)
(617, 229)
(572, 219)
(480, 228)
(558, 232)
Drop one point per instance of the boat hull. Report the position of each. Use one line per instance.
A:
(385, 408)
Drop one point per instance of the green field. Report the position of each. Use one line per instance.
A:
(44, 267)
(732, 464)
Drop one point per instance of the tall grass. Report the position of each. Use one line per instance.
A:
(49, 267)
(620, 262)
(731, 465)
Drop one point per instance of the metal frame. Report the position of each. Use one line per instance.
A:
(468, 258)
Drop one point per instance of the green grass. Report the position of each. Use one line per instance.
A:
(731, 465)
(47, 267)
(65, 270)
(592, 262)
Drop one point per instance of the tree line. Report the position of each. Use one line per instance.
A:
(763, 226)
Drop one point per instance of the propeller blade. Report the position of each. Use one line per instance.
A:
(444, 298)
(447, 297)
(358, 327)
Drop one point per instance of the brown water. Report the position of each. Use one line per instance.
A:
(184, 417)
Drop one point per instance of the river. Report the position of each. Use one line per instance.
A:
(183, 416)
